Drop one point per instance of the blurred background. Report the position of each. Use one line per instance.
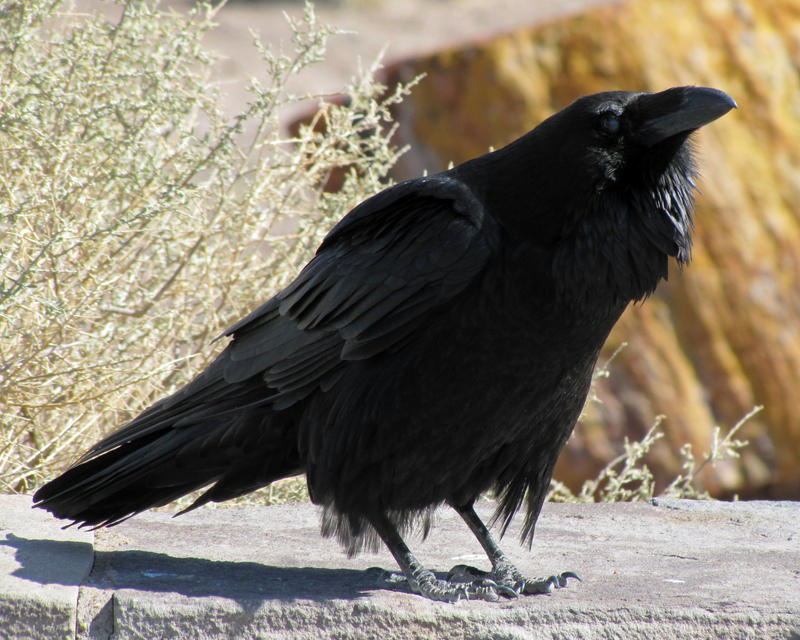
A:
(716, 339)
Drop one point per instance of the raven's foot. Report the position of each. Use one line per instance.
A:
(505, 579)
(428, 585)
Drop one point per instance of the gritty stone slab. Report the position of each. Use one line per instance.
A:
(41, 569)
(673, 569)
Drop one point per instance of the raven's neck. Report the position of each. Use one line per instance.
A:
(610, 245)
(521, 196)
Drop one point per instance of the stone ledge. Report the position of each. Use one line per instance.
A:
(676, 569)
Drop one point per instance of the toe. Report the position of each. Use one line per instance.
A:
(508, 591)
(538, 586)
(481, 591)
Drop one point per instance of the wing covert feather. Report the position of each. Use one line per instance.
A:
(381, 269)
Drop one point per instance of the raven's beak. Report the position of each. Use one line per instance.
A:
(679, 110)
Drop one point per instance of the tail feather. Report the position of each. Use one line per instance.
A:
(123, 482)
(209, 433)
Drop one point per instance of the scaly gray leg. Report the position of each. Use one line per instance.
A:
(417, 579)
(504, 577)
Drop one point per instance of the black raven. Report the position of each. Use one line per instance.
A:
(440, 343)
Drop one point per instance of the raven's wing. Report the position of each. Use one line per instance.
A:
(381, 269)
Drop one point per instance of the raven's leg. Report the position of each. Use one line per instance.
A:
(508, 579)
(418, 579)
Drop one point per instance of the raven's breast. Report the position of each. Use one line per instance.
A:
(480, 393)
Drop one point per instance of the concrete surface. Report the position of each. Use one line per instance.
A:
(678, 569)
(41, 569)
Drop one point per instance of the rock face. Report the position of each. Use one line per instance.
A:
(724, 335)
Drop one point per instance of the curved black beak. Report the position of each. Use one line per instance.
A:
(679, 110)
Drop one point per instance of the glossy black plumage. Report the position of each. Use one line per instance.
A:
(439, 344)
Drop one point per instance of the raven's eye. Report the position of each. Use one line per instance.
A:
(609, 123)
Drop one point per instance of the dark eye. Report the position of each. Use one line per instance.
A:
(609, 123)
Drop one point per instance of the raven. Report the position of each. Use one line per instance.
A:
(439, 344)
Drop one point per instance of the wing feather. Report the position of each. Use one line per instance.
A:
(386, 265)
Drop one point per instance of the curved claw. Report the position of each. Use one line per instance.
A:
(476, 582)
(508, 592)
(550, 584)
(441, 590)
(456, 594)
(560, 581)
(447, 591)
(468, 583)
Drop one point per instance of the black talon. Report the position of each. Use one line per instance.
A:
(508, 592)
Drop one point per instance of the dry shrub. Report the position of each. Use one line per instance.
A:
(136, 221)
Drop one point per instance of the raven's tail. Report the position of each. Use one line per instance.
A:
(211, 431)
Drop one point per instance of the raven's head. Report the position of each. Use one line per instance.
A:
(620, 168)
(634, 147)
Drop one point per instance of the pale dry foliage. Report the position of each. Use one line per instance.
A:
(137, 222)
(628, 479)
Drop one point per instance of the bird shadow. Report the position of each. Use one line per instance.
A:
(45, 562)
